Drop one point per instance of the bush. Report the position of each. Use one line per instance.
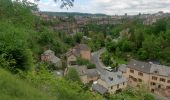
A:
(91, 66)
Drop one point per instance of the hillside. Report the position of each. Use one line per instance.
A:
(16, 89)
(23, 38)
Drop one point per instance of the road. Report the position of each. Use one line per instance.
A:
(97, 62)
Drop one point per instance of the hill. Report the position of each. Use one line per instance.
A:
(72, 14)
(14, 88)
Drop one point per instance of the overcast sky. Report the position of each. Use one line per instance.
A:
(110, 7)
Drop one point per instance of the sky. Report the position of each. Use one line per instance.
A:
(110, 7)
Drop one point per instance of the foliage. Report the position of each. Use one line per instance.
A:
(81, 61)
(73, 75)
(91, 66)
(60, 87)
(143, 42)
(133, 94)
(106, 59)
(12, 88)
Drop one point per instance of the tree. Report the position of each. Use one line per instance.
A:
(78, 37)
(73, 75)
(91, 66)
(127, 46)
(139, 38)
(111, 46)
(142, 54)
(151, 46)
(65, 3)
(106, 58)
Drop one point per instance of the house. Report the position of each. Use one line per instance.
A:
(113, 82)
(80, 50)
(71, 60)
(86, 75)
(155, 77)
(83, 51)
(49, 56)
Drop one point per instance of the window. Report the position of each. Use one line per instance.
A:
(168, 87)
(154, 78)
(140, 80)
(111, 87)
(140, 74)
(153, 83)
(118, 86)
(132, 71)
(130, 76)
(168, 81)
(162, 79)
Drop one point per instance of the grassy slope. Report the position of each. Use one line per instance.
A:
(11, 88)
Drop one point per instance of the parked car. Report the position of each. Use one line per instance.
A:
(108, 69)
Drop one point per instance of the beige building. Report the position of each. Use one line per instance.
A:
(112, 82)
(155, 77)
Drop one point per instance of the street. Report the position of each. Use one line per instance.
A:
(97, 62)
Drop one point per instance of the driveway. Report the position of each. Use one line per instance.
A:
(96, 60)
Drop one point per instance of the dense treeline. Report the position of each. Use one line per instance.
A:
(23, 37)
(144, 42)
(132, 39)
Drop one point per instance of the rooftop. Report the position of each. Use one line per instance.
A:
(160, 69)
(150, 68)
(92, 72)
(83, 47)
(82, 70)
(48, 52)
(141, 66)
(99, 88)
(113, 78)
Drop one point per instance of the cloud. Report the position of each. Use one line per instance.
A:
(109, 6)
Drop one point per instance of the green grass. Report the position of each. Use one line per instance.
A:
(12, 88)
(120, 60)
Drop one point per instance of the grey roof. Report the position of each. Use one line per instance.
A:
(48, 52)
(83, 47)
(161, 70)
(122, 68)
(55, 59)
(113, 78)
(80, 69)
(140, 66)
(99, 88)
(150, 68)
(92, 73)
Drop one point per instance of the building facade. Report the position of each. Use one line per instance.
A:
(112, 82)
(155, 77)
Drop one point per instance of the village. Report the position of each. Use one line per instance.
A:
(105, 80)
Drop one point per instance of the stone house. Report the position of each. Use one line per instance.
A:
(71, 60)
(111, 83)
(83, 51)
(49, 56)
(80, 50)
(155, 77)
